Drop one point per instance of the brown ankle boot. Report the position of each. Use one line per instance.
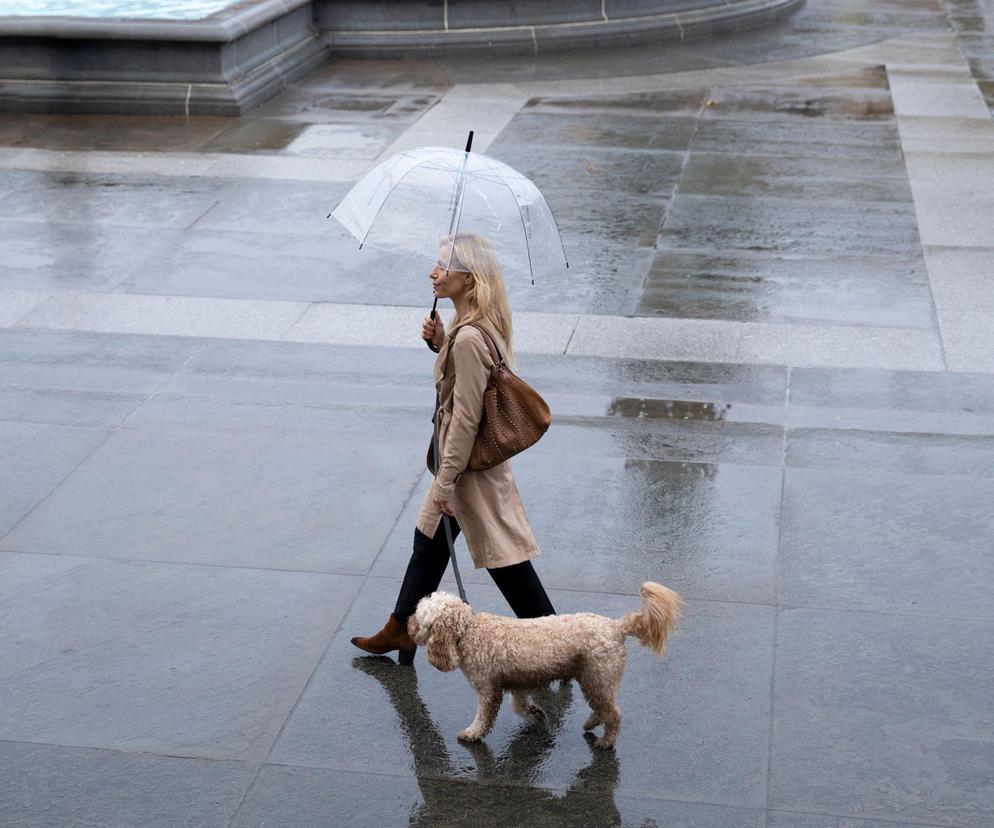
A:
(393, 636)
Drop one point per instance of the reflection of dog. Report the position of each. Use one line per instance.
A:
(498, 654)
(588, 801)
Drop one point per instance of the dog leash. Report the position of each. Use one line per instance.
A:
(445, 517)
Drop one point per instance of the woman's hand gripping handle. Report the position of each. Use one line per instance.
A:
(433, 331)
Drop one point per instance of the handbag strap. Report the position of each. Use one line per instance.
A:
(495, 353)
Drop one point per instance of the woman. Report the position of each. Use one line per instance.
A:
(483, 504)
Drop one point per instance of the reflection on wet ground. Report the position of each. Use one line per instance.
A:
(192, 529)
(589, 799)
(770, 201)
(670, 471)
(668, 409)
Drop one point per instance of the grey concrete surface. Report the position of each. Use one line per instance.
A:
(772, 389)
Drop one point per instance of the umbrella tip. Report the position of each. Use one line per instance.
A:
(469, 141)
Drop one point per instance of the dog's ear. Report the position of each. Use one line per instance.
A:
(443, 641)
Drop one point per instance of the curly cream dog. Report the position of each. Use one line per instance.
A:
(498, 654)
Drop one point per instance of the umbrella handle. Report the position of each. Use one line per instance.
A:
(430, 344)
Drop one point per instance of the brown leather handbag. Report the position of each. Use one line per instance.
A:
(514, 414)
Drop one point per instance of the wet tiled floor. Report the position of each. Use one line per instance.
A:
(190, 494)
(192, 527)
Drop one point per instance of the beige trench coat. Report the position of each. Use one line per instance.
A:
(487, 504)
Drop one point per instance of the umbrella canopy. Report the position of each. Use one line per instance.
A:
(410, 201)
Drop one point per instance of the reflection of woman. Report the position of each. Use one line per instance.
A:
(485, 504)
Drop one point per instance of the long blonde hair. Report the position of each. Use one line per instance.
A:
(487, 296)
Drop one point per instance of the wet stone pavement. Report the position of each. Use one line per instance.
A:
(772, 385)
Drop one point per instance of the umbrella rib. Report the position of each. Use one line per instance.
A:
(385, 199)
(462, 200)
(556, 222)
(524, 229)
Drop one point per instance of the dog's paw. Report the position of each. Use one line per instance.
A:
(604, 743)
(470, 735)
(592, 722)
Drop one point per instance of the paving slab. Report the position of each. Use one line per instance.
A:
(696, 434)
(966, 339)
(366, 325)
(51, 254)
(136, 499)
(358, 141)
(841, 346)
(962, 279)
(118, 200)
(306, 796)
(273, 206)
(953, 135)
(165, 315)
(708, 530)
(887, 542)
(232, 386)
(795, 819)
(16, 303)
(187, 660)
(877, 399)
(181, 164)
(590, 122)
(692, 340)
(716, 733)
(746, 285)
(955, 220)
(936, 174)
(593, 168)
(50, 786)
(246, 264)
(946, 98)
(98, 132)
(83, 379)
(715, 382)
(712, 173)
(892, 451)
(788, 102)
(36, 459)
(870, 140)
(488, 107)
(790, 225)
(323, 105)
(898, 717)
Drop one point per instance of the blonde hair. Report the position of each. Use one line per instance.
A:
(487, 296)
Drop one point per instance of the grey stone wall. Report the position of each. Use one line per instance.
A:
(395, 28)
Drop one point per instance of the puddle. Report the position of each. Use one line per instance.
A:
(640, 407)
(339, 141)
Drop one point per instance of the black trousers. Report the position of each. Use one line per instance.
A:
(518, 583)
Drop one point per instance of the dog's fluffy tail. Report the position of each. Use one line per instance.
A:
(658, 618)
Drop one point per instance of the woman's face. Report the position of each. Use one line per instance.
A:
(447, 283)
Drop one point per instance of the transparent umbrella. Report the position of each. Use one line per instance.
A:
(409, 202)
